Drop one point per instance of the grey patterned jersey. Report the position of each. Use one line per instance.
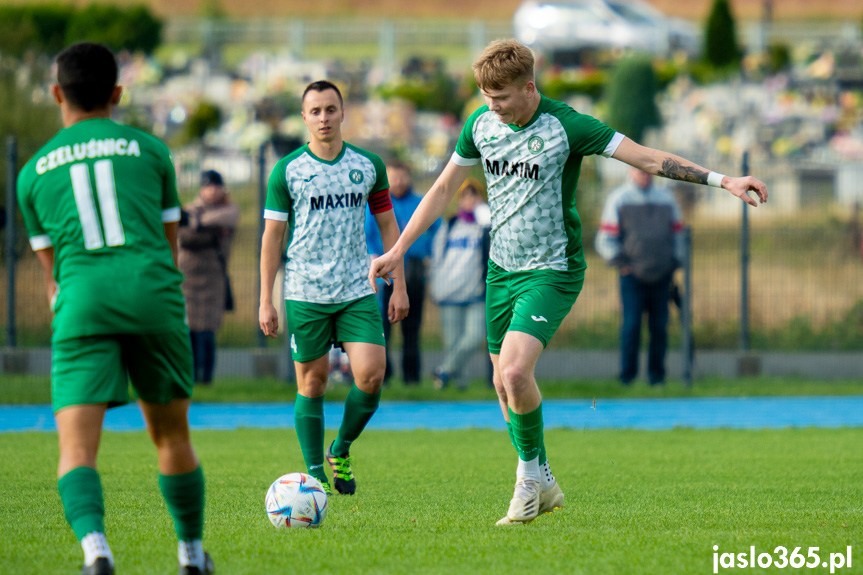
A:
(324, 204)
(532, 173)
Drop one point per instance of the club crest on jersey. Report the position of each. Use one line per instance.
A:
(535, 144)
(356, 176)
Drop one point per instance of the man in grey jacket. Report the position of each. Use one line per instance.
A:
(640, 234)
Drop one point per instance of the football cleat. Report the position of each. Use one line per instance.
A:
(101, 566)
(550, 498)
(209, 568)
(328, 489)
(343, 476)
(524, 506)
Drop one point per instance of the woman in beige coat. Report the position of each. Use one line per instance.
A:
(205, 234)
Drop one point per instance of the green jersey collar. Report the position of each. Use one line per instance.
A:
(332, 162)
(543, 101)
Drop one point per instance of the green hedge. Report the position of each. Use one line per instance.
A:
(47, 29)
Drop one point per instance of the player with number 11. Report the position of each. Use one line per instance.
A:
(100, 204)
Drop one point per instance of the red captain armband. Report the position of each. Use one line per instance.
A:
(380, 201)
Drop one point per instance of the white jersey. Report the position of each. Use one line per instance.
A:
(532, 174)
(324, 204)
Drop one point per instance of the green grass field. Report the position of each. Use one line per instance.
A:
(29, 389)
(637, 502)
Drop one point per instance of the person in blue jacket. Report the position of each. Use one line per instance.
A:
(405, 202)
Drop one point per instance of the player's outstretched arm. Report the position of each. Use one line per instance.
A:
(271, 257)
(399, 304)
(668, 165)
(430, 209)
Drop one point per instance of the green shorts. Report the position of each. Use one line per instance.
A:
(533, 302)
(98, 369)
(315, 327)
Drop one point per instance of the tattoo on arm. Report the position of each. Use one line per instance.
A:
(672, 169)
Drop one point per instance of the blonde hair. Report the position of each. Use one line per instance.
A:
(503, 62)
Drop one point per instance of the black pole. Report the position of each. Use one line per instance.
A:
(686, 312)
(262, 200)
(11, 204)
(744, 266)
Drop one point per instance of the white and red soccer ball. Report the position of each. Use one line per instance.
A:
(296, 500)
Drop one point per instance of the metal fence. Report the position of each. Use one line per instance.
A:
(805, 272)
(392, 40)
(384, 42)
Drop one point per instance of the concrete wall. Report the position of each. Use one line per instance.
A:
(553, 365)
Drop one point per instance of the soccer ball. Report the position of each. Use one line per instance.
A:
(296, 500)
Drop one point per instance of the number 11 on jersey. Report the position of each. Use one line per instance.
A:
(106, 192)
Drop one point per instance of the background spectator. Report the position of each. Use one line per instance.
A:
(205, 235)
(405, 202)
(640, 235)
(460, 264)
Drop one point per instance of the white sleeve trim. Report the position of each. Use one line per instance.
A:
(171, 215)
(40, 242)
(274, 215)
(459, 161)
(616, 139)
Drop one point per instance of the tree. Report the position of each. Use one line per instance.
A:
(28, 113)
(631, 98)
(133, 28)
(39, 29)
(206, 117)
(720, 37)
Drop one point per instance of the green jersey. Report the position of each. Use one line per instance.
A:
(532, 174)
(99, 192)
(324, 204)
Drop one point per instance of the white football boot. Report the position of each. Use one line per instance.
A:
(524, 506)
(550, 498)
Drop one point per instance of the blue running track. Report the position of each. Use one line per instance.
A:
(652, 414)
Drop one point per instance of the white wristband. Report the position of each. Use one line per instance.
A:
(715, 179)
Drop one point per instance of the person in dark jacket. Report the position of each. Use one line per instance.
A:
(640, 234)
(205, 235)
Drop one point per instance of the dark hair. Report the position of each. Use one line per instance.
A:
(399, 165)
(211, 178)
(87, 75)
(322, 86)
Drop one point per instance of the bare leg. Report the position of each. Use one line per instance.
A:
(79, 430)
(168, 425)
(368, 364)
(516, 364)
(312, 376)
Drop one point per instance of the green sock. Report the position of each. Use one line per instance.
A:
(511, 436)
(359, 409)
(184, 494)
(81, 494)
(527, 432)
(309, 421)
(542, 456)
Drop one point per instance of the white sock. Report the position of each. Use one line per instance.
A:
(528, 469)
(95, 545)
(191, 553)
(546, 478)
